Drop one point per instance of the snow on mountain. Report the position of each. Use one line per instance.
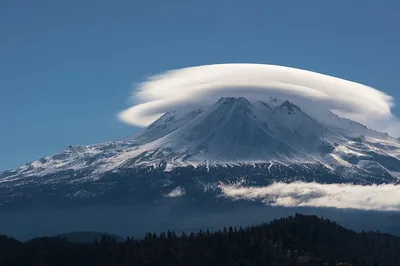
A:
(167, 123)
(231, 131)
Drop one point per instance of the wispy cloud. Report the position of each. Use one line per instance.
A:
(342, 196)
(177, 192)
(202, 84)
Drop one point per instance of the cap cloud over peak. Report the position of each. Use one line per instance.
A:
(196, 86)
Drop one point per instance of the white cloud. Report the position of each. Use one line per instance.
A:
(177, 192)
(342, 196)
(203, 84)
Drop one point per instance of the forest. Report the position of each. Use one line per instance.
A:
(295, 240)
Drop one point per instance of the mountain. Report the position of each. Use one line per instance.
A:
(231, 132)
(175, 167)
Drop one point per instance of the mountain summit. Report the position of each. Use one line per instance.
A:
(235, 130)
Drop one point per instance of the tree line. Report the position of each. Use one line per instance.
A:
(295, 240)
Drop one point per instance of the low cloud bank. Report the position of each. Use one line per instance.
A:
(300, 194)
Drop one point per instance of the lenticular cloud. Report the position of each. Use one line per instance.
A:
(204, 84)
(300, 194)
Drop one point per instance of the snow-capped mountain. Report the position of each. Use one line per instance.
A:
(229, 133)
(180, 164)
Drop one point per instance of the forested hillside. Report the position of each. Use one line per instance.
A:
(298, 240)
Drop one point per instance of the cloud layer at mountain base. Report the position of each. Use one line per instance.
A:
(197, 86)
(300, 194)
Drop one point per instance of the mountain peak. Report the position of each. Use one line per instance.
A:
(233, 100)
(230, 106)
(290, 107)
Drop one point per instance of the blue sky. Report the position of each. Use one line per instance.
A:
(66, 67)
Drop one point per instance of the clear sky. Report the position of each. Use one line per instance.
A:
(67, 67)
